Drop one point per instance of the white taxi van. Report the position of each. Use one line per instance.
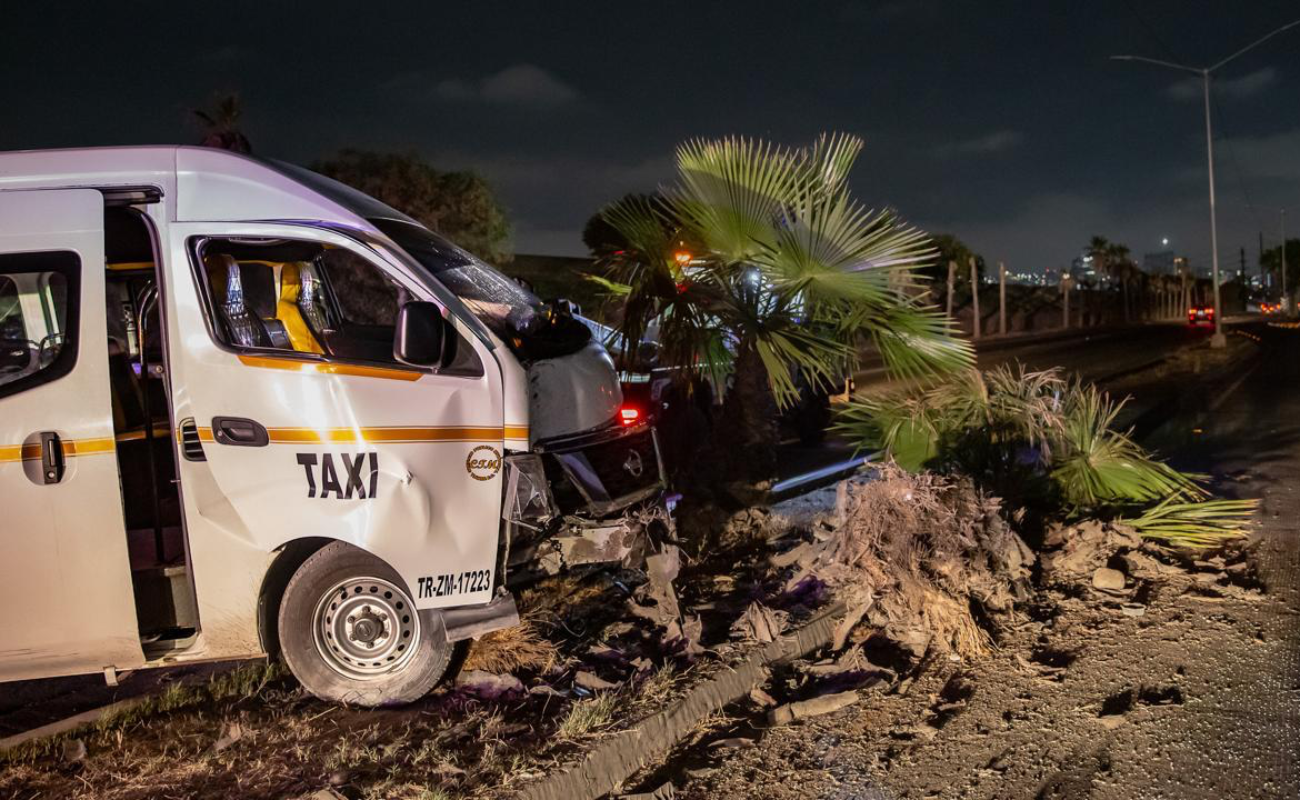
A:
(247, 410)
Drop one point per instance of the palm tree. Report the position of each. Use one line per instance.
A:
(221, 124)
(759, 262)
(1115, 261)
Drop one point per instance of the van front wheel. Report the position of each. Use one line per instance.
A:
(350, 633)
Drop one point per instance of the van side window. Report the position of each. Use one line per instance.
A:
(304, 298)
(38, 318)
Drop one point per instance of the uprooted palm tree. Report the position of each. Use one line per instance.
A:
(1047, 445)
(759, 262)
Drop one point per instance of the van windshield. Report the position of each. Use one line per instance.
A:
(508, 309)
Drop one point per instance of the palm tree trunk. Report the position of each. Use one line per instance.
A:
(749, 431)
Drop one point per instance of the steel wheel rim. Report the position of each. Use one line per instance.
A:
(365, 628)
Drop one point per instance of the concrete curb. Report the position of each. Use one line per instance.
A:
(616, 759)
(70, 723)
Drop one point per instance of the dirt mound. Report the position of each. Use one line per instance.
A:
(925, 559)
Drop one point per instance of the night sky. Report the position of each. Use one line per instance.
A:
(1001, 122)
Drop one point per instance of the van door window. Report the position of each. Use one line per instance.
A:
(305, 299)
(38, 318)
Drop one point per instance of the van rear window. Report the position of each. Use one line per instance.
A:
(38, 318)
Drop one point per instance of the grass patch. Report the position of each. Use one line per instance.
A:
(588, 716)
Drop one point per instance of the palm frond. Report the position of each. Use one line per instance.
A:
(836, 249)
(1096, 465)
(612, 287)
(733, 191)
(917, 341)
(831, 159)
(1195, 525)
(782, 347)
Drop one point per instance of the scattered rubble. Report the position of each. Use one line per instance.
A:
(825, 704)
(1108, 580)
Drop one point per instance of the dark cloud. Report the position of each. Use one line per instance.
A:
(993, 142)
(525, 85)
(1248, 85)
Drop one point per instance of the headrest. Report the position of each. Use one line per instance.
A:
(223, 270)
(290, 282)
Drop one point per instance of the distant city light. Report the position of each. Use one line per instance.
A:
(1164, 242)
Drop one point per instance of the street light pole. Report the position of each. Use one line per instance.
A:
(1286, 301)
(1218, 340)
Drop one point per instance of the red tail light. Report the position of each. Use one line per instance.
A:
(629, 415)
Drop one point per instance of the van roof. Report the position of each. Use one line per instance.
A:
(199, 183)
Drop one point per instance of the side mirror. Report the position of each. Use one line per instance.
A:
(421, 334)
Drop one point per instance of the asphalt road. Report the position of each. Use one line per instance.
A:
(1244, 740)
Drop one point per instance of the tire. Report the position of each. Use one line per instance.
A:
(380, 654)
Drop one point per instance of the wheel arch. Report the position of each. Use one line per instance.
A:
(289, 557)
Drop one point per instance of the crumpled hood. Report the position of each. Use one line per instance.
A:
(573, 393)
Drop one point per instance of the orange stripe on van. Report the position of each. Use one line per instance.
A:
(71, 448)
(353, 370)
(388, 435)
(383, 435)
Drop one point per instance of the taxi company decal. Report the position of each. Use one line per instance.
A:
(354, 483)
(483, 463)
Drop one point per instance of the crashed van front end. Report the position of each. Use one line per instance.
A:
(592, 489)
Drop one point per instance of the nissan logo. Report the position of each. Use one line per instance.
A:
(633, 464)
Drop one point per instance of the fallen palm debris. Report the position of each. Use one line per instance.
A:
(909, 555)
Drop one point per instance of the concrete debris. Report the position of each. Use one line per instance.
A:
(233, 733)
(759, 623)
(546, 690)
(656, 600)
(665, 792)
(1075, 552)
(1108, 580)
(826, 704)
(735, 743)
(1112, 721)
(74, 751)
(489, 685)
(593, 682)
(795, 555)
(1140, 565)
(761, 698)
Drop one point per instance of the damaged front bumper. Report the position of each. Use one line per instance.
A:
(587, 499)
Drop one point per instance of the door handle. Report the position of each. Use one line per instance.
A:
(51, 457)
(239, 432)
